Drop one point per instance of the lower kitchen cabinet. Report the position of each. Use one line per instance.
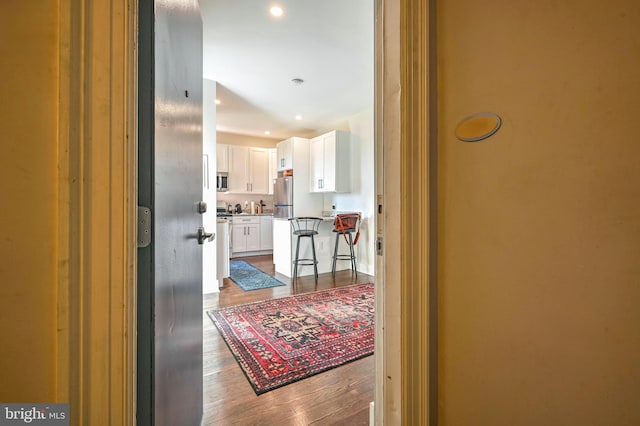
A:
(246, 234)
(266, 233)
(251, 235)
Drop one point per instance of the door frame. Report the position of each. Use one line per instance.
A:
(96, 250)
(97, 209)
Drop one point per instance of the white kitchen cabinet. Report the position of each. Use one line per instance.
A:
(222, 158)
(253, 237)
(248, 170)
(246, 234)
(259, 178)
(329, 163)
(284, 152)
(266, 232)
(238, 169)
(273, 168)
(316, 164)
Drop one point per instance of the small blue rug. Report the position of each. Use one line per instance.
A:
(249, 277)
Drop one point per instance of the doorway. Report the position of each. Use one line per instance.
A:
(361, 125)
(106, 333)
(363, 198)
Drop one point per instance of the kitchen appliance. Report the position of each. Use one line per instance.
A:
(238, 209)
(222, 182)
(283, 197)
(221, 209)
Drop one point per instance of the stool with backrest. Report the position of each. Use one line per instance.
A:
(305, 227)
(346, 224)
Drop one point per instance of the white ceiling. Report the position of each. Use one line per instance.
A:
(254, 56)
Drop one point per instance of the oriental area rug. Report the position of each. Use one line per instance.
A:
(280, 341)
(248, 277)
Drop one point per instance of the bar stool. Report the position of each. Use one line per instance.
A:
(345, 224)
(305, 227)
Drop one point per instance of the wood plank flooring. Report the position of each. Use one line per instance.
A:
(340, 396)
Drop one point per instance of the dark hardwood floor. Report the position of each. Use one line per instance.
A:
(340, 396)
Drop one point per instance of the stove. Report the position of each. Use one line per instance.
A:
(220, 212)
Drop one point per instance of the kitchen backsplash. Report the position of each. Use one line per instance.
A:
(234, 199)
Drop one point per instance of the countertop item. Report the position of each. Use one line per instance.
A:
(254, 214)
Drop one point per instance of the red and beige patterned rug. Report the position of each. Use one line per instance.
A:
(280, 341)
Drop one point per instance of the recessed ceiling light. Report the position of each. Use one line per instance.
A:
(298, 117)
(266, 132)
(276, 11)
(297, 81)
(218, 102)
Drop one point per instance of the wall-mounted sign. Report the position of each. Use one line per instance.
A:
(477, 127)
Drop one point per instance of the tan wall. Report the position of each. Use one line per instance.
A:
(244, 140)
(28, 216)
(540, 224)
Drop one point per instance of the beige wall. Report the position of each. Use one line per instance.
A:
(540, 224)
(28, 216)
(245, 140)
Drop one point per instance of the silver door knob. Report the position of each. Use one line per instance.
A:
(204, 236)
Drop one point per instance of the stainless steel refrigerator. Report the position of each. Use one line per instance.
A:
(283, 197)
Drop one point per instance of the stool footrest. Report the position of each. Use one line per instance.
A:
(343, 257)
(305, 262)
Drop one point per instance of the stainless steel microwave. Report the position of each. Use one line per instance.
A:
(222, 182)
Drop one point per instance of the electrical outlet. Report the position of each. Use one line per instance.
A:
(322, 245)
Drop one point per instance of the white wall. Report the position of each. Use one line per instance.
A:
(209, 252)
(362, 195)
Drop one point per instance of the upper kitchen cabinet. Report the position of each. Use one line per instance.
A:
(273, 168)
(329, 162)
(248, 170)
(259, 179)
(289, 151)
(222, 158)
(284, 154)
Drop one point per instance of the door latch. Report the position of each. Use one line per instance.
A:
(204, 236)
(379, 246)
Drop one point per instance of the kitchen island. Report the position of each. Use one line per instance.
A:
(284, 246)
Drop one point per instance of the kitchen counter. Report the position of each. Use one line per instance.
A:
(284, 248)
